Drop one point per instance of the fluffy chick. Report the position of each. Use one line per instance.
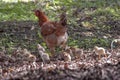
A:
(116, 41)
(26, 53)
(44, 56)
(100, 51)
(66, 56)
(18, 53)
(77, 52)
(40, 48)
(70, 52)
(32, 58)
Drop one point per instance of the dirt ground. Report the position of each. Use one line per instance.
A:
(85, 68)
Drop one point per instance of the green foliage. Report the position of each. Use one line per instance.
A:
(16, 11)
(89, 42)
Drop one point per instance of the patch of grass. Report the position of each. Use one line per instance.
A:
(16, 11)
(89, 42)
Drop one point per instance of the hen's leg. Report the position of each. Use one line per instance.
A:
(64, 46)
(52, 50)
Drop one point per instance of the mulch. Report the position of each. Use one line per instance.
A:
(87, 68)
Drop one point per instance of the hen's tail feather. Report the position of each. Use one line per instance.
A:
(63, 19)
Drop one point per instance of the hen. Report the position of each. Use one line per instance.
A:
(53, 33)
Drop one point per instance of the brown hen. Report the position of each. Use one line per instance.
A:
(53, 33)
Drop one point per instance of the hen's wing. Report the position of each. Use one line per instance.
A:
(47, 29)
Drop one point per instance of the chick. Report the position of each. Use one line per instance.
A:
(100, 51)
(45, 57)
(40, 48)
(70, 52)
(26, 53)
(32, 58)
(18, 53)
(77, 52)
(66, 56)
(116, 41)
